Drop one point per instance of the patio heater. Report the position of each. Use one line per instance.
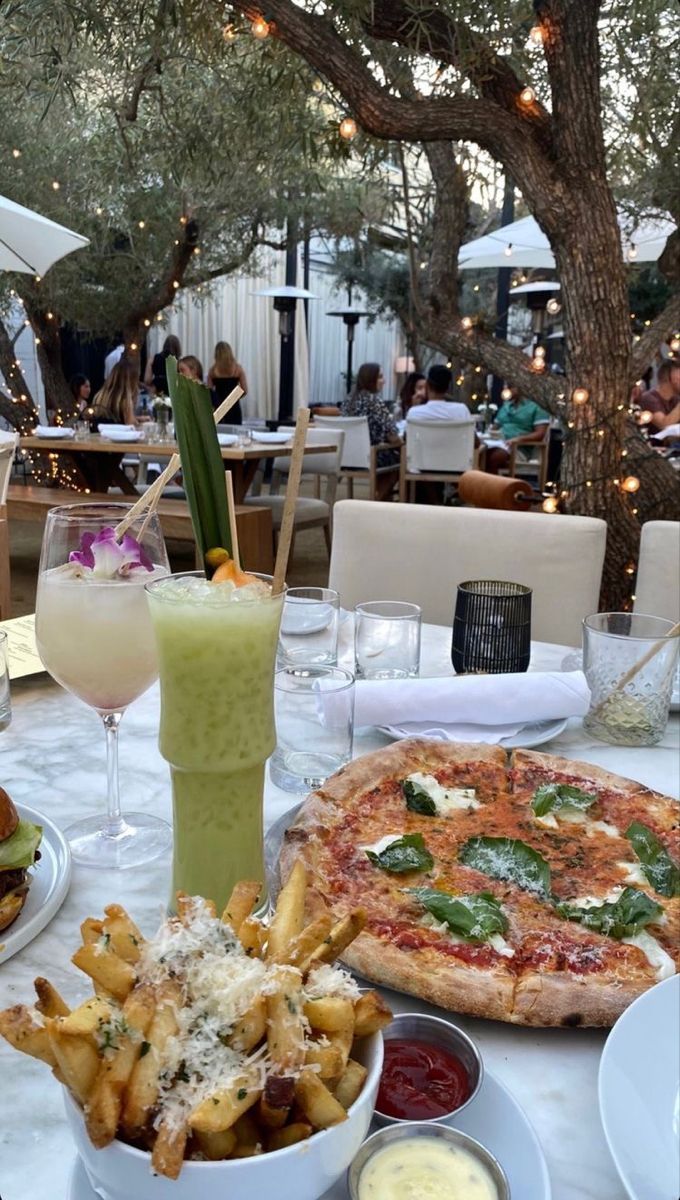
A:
(351, 318)
(538, 294)
(285, 298)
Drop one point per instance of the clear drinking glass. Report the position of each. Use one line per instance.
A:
(94, 636)
(627, 707)
(309, 627)
(314, 725)
(217, 656)
(5, 697)
(387, 639)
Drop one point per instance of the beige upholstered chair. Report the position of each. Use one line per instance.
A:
(359, 457)
(421, 553)
(310, 512)
(437, 452)
(657, 588)
(534, 467)
(8, 445)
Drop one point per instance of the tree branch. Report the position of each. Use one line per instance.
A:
(659, 331)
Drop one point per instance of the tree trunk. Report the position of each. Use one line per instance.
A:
(58, 398)
(18, 408)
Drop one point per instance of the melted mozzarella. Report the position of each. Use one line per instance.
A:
(574, 816)
(654, 953)
(383, 843)
(634, 873)
(446, 800)
(495, 940)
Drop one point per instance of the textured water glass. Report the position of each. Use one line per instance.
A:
(309, 627)
(5, 698)
(82, 431)
(387, 639)
(626, 708)
(314, 709)
(491, 628)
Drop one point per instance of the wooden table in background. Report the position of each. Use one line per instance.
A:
(243, 460)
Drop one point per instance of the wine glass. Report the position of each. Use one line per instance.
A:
(95, 637)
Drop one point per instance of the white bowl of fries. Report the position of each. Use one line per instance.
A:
(220, 1057)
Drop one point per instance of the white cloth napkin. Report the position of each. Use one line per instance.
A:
(119, 433)
(484, 708)
(53, 431)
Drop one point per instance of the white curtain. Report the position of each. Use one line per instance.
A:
(231, 312)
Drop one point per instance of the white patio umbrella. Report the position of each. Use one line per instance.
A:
(523, 244)
(30, 243)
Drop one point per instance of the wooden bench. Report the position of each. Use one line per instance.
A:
(254, 524)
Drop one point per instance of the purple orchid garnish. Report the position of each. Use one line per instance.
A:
(104, 557)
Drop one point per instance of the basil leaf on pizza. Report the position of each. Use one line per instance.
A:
(551, 797)
(407, 853)
(656, 862)
(619, 918)
(417, 799)
(475, 915)
(508, 859)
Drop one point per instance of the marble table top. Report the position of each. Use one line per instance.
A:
(52, 758)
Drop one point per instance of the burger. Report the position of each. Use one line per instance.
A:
(19, 841)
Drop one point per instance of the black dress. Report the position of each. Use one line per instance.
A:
(222, 386)
(159, 375)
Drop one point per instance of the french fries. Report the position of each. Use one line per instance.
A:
(218, 1039)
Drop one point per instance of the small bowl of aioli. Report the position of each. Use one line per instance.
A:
(423, 1159)
(431, 1070)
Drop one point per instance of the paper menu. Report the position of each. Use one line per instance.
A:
(22, 651)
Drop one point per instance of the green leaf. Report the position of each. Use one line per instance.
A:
(407, 853)
(618, 918)
(202, 465)
(657, 864)
(553, 796)
(417, 799)
(509, 859)
(19, 849)
(475, 915)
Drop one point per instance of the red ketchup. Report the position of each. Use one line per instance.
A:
(420, 1081)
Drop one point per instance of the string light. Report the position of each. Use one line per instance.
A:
(56, 185)
(539, 351)
(632, 253)
(260, 28)
(141, 224)
(580, 395)
(645, 417)
(630, 484)
(549, 505)
(476, 288)
(674, 344)
(98, 211)
(467, 322)
(536, 35)
(317, 86)
(508, 250)
(16, 153)
(147, 322)
(347, 128)
(460, 380)
(183, 219)
(553, 307)
(527, 96)
(175, 284)
(506, 393)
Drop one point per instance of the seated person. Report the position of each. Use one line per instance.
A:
(191, 367)
(413, 392)
(364, 401)
(521, 422)
(663, 400)
(439, 406)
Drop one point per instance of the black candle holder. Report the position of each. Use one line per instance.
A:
(491, 627)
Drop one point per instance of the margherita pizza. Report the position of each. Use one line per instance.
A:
(524, 888)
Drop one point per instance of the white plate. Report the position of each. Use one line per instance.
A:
(132, 436)
(227, 439)
(57, 431)
(50, 879)
(639, 1089)
(532, 734)
(573, 661)
(305, 616)
(494, 1118)
(270, 439)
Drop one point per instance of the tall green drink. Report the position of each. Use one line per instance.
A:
(216, 655)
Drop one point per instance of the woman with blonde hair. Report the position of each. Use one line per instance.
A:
(116, 401)
(224, 375)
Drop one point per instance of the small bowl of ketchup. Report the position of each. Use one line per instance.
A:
(431, 1070)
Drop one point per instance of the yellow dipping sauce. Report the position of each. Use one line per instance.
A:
(425, 1168)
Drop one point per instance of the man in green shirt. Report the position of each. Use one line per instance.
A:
(521, 422)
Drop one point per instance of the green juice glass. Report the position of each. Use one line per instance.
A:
(216, 656)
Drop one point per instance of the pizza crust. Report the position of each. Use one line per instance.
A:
(572, 1000)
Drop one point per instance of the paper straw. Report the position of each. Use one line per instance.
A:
(288, 518)
(232, 521)
(152, 496)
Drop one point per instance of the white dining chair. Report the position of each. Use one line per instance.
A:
(311, 512)
(420, 553)
(359, 457)
(436, 452)
(657, 587)
(9, 440)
